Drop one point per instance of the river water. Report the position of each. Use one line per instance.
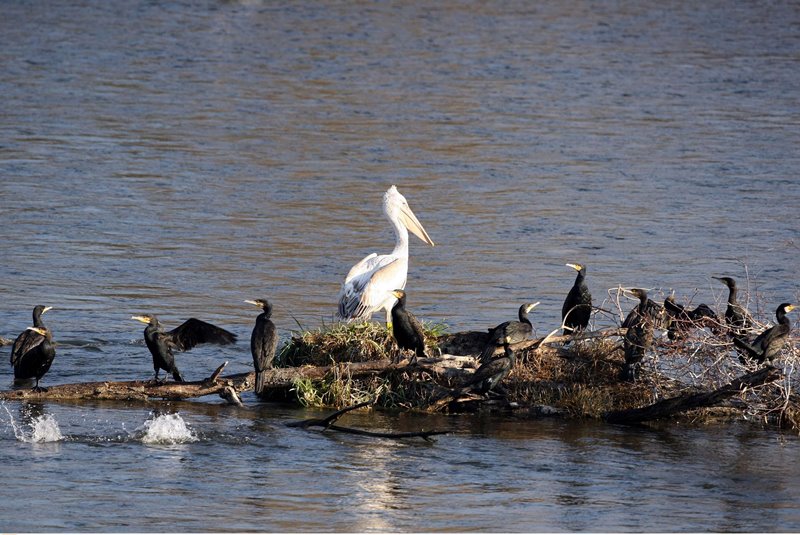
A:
(179, 157)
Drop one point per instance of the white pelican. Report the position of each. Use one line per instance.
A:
(369, 284)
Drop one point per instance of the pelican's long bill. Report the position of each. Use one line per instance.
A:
(412, 223)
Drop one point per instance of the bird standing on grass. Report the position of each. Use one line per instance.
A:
(509, 332)
(263, 342)
(182, 338)
(577, 307)
(406, 328)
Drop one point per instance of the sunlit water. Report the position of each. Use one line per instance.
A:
(178, 158)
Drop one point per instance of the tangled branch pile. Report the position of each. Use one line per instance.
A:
(578, 378)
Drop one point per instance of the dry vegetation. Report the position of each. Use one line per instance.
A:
(579, 379)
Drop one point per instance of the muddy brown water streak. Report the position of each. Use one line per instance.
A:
(179, 157)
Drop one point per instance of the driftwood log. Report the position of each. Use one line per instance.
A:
(215, 384)
(686, 402)
(279, 380)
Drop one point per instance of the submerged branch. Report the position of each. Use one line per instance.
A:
(685, 402)
(327, 423)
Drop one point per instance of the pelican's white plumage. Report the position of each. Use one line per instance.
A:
(369, 284)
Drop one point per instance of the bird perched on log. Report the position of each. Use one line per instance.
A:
(263, 342)
(736, 316)
(489, 375)
(182, 338)
(33, 351)
(578, 305)
(509, 332)
(368, 285)
(769, 343)
(638, 337)
(681, 320)
(406, 328)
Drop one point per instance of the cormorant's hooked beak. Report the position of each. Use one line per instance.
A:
(411, 222)
(143, 319)
(45, 309)
(397, 293)
(629, 292)
(256, 303)
(576, 267)
(790, 308)
(531, 306)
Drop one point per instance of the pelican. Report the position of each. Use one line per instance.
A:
(369, 284)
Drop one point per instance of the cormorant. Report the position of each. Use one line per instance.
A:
(681, 320)
(653, 311)
(491, 372)
(509, 332)
(768, 344)
(263, 342)
(638, 337)
(406, 328)
(184, 337)
(736, 316)
(578, 305)
(33, 350)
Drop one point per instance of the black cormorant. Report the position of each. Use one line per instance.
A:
(509, 332)
(491, 373)
(653, 311)
(736, 316)
(638, 337)
(33, 350)
(578, 305)
(406, 328)
(22, 339)
(263, 342)
(768, 344)
(184, 337)
(681, 320)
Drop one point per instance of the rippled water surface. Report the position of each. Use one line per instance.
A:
(179, 157)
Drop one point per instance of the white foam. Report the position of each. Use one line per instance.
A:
(166, 429)
(45, 428)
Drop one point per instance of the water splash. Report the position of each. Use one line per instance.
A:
(166, 429)
(43, 429)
